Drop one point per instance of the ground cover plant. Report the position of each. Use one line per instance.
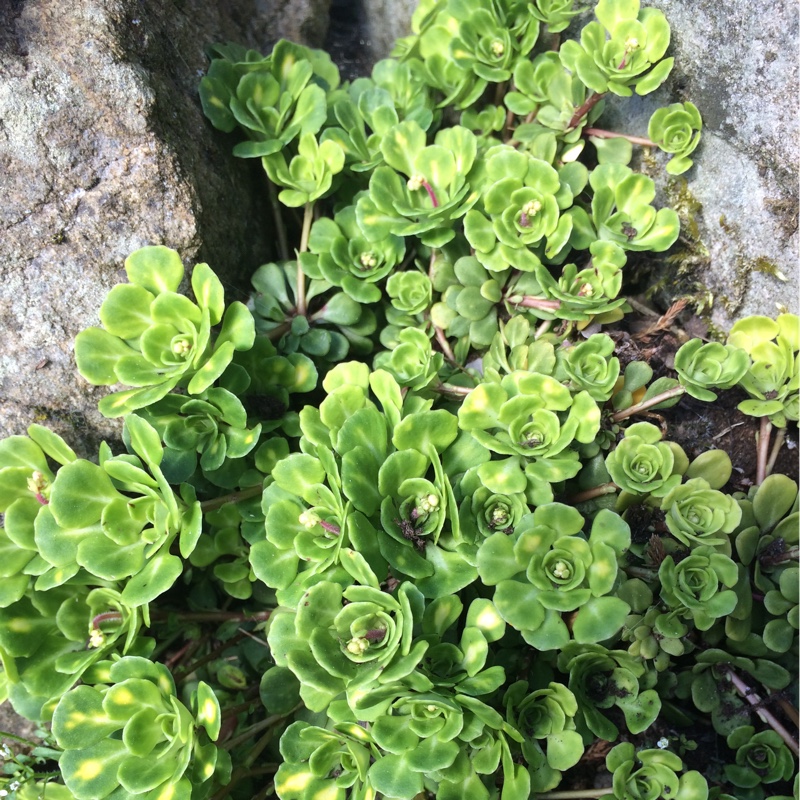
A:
(409, 522)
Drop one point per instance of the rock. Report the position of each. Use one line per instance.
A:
(738, 65)
(104, 149)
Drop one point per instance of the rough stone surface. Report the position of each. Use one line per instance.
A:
(738, 64)
(104, 149)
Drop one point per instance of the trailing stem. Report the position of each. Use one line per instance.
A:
(449, 388)
(526, 301)
(308, 216)
(590, 494)
(233, 497)
(591, 101)
(762, 450)
(776, 448)
(766, 716)
(440, 335)
(280, 230)
(575, 794)
(601, 134)
(676, 391)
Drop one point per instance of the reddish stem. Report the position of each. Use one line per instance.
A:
(429, 190)
(601, 134)
(591, 101)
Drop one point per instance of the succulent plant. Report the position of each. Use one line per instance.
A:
(155, 339)
(676, 130)
(702, 367)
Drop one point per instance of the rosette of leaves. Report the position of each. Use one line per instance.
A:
(623, 49)
(334, 326)
(773, 377)
(545, 91)
(338, 637)
(590, 366)
(470, 296)
(424, 189)
(274, 100)
(602, 679)
(319, 762)
(461, 666)
(621, 210)
(642, 464)
(310, 526)
(515, 347)
(421, 535)
(491, 38)
(125, 530)
(25, 484)
(693, 586)
(207, 429)
(546, 718)
(437, 738)
(698, 515)
(657, 776)
(556, 14)
(224, 545)
(676, 130)
(49, 639)
(761, 758)
(655, 636)
(702, 367)
(345, 258)
(412, 363)
(131, 734)
(782, 602)
(483, 512)
(532, 420)
(157, 340)
(522, 199)
(307, 176)
(546, 568)
(583, 296)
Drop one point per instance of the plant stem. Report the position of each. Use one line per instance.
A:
(776, 448)
(591, 101)
(641, 572)
(575, 794)
(601, 134)
(15, 738)
(308, 216)
(749, 694)
(542, 329)
(676, 391)
(448, 388)
(215, 653)
(280, 229)
(762, 449)
(278, 331)
(440, 335)
(526, 301)
(789, 710)
(590, 494)
(254, 729)
(445, 345)
(233, 497)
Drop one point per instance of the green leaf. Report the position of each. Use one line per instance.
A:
(393, 777)
(208, 713)
(158, 269)
(92, 772)
(97, 353)
(157, 577)
(79, 494)
(279, 690)
(600, 618)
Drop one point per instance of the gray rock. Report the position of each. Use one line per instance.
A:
(737, 62)
(104, 149)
